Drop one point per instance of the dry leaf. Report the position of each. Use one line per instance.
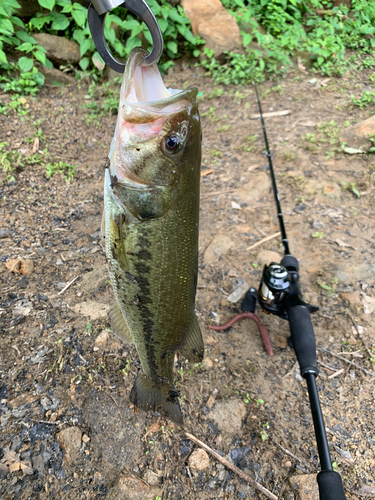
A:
(36, 145)
(342, 243)
(368, 303)
(12, 461)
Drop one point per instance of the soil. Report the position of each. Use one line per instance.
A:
(66, 423)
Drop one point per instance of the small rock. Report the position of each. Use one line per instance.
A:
(367, 491)
(210, 20)
(54, 76)
(220, 245)
(70, 440)
(131, 488)
(228, 415)
(5, 233)
(95, 279)
(59, 49)
(151, 478)
(368, 303)
(199, 460)
(238, 293)
(256, 188)
(265, 257)
(208, 363)
(14, 265)
(305, 486)
(85, 438)
(22, 400)
(352, 274)
(27, 267)
(95, 310)
(20, 266)
(357, 136)
(102, 338)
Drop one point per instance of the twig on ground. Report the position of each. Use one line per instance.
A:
(190, 477)
(346, 361)
(268, 238)
(68, 285)
(216, 193)
(291, 371)
(232, 467)
(271, 114)
(327, 366)
(336, 374)
(293, 456)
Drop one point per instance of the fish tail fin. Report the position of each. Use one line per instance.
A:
(193, 347)
(149, 395)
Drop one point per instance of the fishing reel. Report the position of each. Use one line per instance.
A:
(279, 289)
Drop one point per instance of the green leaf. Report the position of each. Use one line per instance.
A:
(25, 64)
(80, 17)
(172, 46)
(130, 25)
(3, 57)
(84, 63)
(324, 286)
(40, 56)
(6, 26)
(196, 53)
(247, 38)
(64, 3)
(98, 61)
(131, 43)
(84, 47)
(60, 22)
(163, 25)
(25, 47)
(22, 35)
(17, 21)
(47, 4)
(39, 22)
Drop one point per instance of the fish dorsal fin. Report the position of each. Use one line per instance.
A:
(118, 325)
(193, 347)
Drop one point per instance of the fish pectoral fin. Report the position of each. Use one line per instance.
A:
(150, 395)
(118, 325)
(192, 347)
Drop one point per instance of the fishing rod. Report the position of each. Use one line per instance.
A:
(279, 293)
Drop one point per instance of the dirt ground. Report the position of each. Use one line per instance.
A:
(67, 429)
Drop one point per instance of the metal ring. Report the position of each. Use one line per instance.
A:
(140, 9)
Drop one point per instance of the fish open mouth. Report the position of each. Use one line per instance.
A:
(144, 96)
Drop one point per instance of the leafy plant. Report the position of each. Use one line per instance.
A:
(67, 171)
(367, 98)
(123, 31)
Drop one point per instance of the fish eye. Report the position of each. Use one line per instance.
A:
(171, 143)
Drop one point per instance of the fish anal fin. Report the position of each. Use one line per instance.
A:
(192, 346)
(149, 395)
(118, 325)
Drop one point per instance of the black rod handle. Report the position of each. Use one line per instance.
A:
(320, 431)
(303, 339)
(330, 486)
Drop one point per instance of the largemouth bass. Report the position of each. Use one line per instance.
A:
(151, 215)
